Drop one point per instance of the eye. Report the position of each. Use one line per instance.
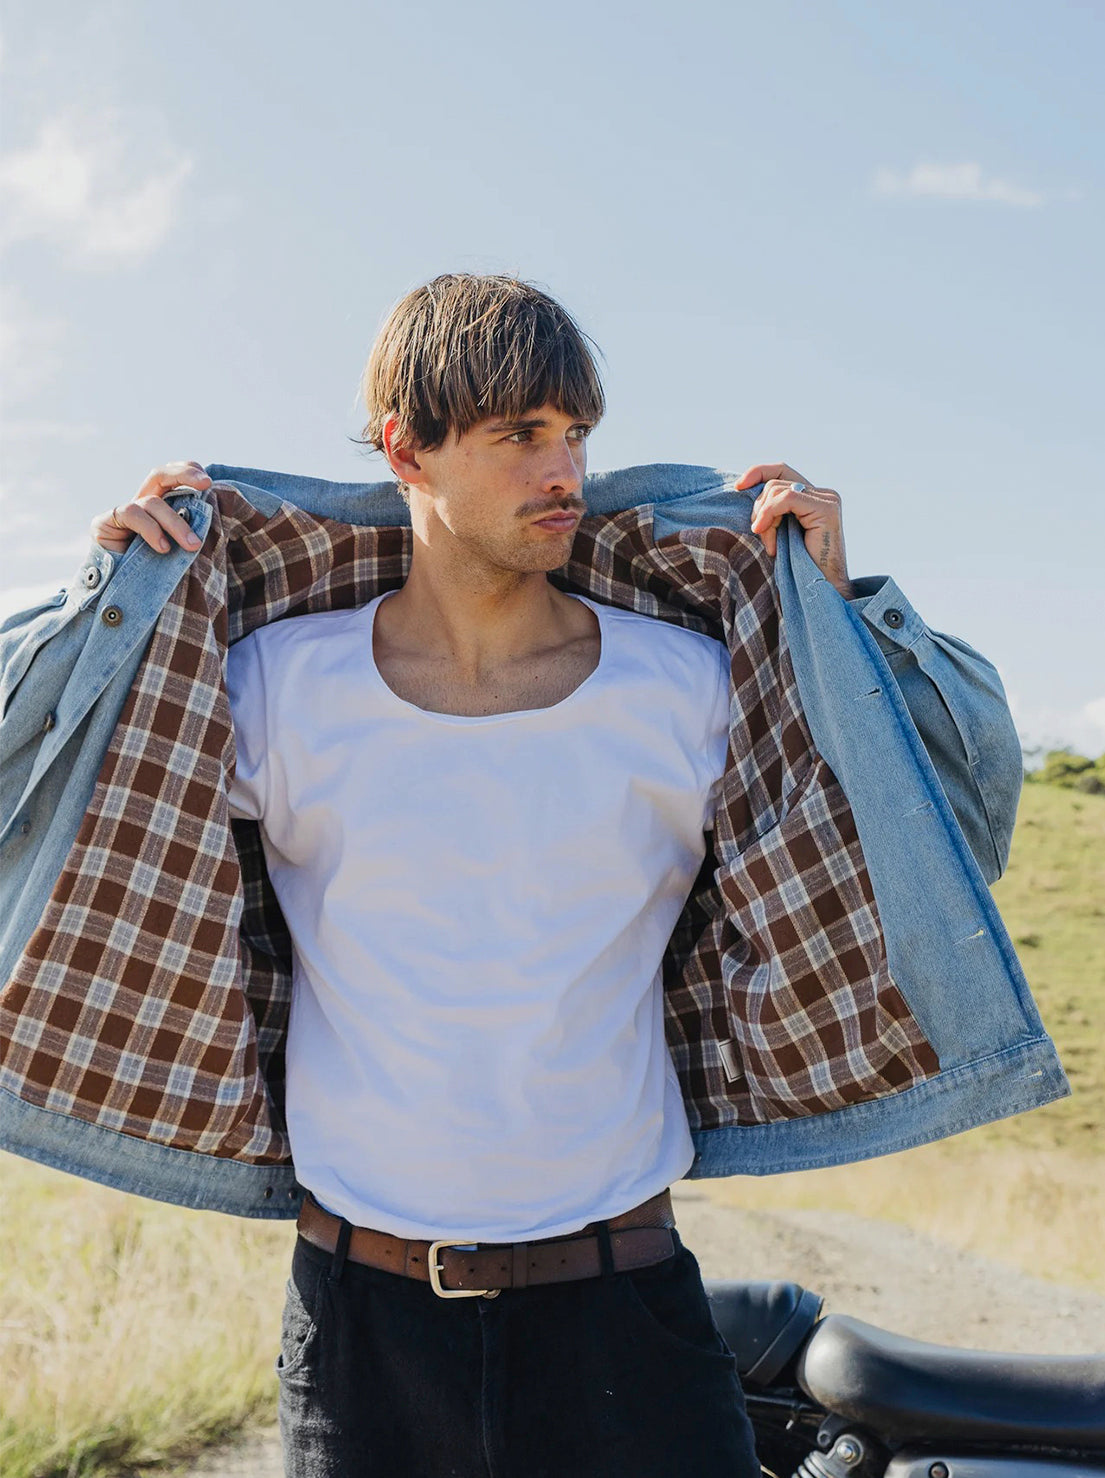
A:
(520, 437)
(582, 431)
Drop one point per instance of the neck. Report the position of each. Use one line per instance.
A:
(476, 618)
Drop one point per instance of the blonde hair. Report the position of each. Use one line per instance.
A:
(467, 346)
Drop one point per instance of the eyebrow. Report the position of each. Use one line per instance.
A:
(533, 423)
(536, 423)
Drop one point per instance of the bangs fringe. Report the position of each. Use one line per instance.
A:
(466, 347)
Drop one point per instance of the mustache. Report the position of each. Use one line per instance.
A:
(544, 510)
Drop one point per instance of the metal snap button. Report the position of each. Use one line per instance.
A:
(25, 828)
(893, 617)
(51, 720)
(111, 616)
(91, 577)
(186, 514)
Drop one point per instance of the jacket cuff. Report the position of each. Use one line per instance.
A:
(882, 605)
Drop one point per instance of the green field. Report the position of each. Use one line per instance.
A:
(1052, 899)
(130, 1330)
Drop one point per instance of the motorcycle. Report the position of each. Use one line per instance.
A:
(832, 1397)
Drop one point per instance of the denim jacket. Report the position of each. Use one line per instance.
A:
(839, 985)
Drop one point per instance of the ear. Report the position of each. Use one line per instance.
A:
(401, 455)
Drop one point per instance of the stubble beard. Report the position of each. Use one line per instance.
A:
(515, 552)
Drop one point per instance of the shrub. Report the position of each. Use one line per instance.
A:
(1091, 782)
(1072, 771)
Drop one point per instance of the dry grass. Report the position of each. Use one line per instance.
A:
(1052, 899)
(1038, 1210)
(130, 1330)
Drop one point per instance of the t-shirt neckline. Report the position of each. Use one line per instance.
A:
(485, 718)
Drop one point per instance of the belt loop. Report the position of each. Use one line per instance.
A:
(337, 1262)
(606, 1252)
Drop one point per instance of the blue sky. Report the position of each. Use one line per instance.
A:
(861, 238)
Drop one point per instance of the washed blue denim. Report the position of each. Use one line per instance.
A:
(913, 723)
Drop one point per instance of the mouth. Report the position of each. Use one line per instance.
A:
(558, 523)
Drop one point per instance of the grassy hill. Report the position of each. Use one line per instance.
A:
(1052, 899)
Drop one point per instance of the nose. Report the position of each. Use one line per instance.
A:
(564, 472)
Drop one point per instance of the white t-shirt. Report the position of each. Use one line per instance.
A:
(479, 908)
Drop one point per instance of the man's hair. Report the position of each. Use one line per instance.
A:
(467, 346)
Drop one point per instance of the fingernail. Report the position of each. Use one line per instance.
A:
(163, 544)
(192, 541)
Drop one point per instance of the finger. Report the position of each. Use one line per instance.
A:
(769, 503)
(780, 497)
(140, 520)
(764, 472)
(765, 522)
(168, 519)
(172, 475)
(773, 504)
(760, 473)
(108, 535)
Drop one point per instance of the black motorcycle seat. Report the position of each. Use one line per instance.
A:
(903, 1388)
(763, 1324)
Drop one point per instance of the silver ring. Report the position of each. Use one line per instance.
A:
(799, 487)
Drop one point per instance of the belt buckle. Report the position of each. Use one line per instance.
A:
(436, 1270)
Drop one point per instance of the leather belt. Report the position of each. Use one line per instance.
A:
(454, 1269)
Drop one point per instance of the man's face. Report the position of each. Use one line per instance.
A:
(510, 491)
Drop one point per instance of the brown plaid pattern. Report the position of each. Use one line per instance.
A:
(153, 997)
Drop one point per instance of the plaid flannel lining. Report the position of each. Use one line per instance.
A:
(153, 997)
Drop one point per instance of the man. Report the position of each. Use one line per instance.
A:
(477, 1051)
(483, 802)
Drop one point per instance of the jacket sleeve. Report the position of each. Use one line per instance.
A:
(953, 694)
(958, 706)
(60, 621)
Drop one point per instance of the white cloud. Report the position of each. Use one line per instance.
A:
(1046, 727)
(1095, 712)
(952, 182)
(30, 346)
(79, 188)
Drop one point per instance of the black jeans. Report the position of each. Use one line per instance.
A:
(622, 1376)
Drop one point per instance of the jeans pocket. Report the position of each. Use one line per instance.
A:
(668, 1302)
(304, 1303)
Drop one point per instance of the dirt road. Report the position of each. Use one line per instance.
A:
(874, 1270)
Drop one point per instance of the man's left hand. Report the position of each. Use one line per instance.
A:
(817, 510)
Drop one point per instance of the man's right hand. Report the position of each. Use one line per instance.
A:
(148, 515)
